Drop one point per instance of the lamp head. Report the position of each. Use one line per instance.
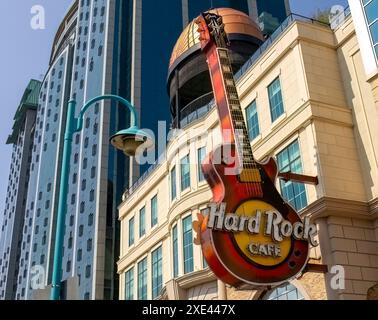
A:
(129, 140)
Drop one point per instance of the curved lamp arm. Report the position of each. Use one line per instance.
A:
(133, 118)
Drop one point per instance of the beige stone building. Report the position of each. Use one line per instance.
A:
(308, 102)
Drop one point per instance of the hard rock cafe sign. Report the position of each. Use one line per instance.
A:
(251, 235)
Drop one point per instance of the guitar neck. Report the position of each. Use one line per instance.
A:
(227, 99)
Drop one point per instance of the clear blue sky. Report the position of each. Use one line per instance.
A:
(25, 54)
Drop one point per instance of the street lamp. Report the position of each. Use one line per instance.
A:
(128, 141)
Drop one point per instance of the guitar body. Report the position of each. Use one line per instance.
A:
(218, 246)
(245, 186)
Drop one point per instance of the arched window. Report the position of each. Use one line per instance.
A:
(285, 292)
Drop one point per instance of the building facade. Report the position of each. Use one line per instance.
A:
(13, 218)
(307, 103)
(102, 46)
(84, 63)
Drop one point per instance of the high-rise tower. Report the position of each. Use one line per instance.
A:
(13, 219)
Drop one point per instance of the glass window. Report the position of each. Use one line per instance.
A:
(371, 12)
(131, 231)
(88, 271)
(154, 211)
(290, 160)
(275, 99)
(185, 173)
(142, 280)
(89, 245)
(157, 272)
(142, 222)
(79, 254)
(201, 156)
(187, 244)
(371, 9)
(90, 219)
(252, 120)
(173, 184)
(284, 292)
(129, 284)
(175, 252)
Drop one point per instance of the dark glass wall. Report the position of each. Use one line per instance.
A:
(161, 26)
(276, 8)
(118, 173)
(198, 6)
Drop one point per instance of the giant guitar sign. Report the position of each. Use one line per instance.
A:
(251, 235)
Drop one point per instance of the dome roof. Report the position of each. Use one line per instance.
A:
(236, 22)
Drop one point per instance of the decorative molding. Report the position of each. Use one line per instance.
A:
(327, 206)
(196, 278)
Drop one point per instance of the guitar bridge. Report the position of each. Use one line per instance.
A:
(250, 175)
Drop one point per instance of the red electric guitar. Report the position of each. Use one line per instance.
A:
(245, 191)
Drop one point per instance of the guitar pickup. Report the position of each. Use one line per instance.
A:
(250, 175)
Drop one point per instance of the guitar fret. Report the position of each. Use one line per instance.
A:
(237, 117)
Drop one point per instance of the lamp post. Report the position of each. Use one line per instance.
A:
(128, 140)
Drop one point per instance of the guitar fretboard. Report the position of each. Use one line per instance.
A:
(240, 131)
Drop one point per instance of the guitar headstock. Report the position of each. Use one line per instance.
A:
(212, 28)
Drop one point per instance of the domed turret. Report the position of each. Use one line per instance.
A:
(189, 84)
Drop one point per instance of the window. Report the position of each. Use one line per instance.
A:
(68, 266)
(154, 211)
(157, 272)
(142, 280)
(175, 252)
(90, 219)
(131, 231)
(82, 207)
(173, 184)
(185, 173)
(252, 120)
(275, 99)
(290, 160)
(70, 242)
(93, 172)
(201, 156)
(187, 244)
(89, 245)
(79, 254)
(142, 222)
(81, 230)
(371, 13)
(284, 292)
(88, 271)
(129, 284)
